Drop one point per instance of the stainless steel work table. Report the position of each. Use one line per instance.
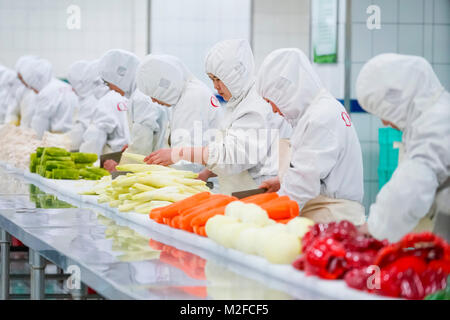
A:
(116, 258)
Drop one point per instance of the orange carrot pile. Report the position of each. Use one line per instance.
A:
(191, 214)
(281, 209)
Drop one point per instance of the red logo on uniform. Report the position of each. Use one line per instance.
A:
(121, 106)
(346, 119)
(214, 102)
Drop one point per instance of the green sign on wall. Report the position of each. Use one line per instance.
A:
(324, 30)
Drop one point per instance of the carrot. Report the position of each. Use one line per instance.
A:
(219, 202)
(173, 209)
(154, 215)
(166, 221)
(202, 231)
(260, 198)
(195, 229)
(202, 218)
(278, 209)
(176, 222)
(295, 209)
(201, 203)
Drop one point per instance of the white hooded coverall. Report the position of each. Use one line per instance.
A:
(326, 169)
(85, 80)
(147, 122)
(37, 74)
(108, 131)
(194, 108)
(8, 77)
(247, 119)
(17, 92)
(405, 91)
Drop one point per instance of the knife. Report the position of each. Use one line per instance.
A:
(116, 156)
(248, 193)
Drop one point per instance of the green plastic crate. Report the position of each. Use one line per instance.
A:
(388, 154)
(388, 160)
(384, 175)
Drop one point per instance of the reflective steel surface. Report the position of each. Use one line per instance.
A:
(122, 260)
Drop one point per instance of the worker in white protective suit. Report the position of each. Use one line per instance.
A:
(242, 154)
(148, 123)
(195, 111)
(54, 105)
(7, 79)
(85, 79)
(20, 95)
(407, 95)
(109, 132)
(325, 175)
(37, 76)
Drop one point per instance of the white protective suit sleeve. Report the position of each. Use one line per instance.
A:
(405, 91)
(314, 155)
(143, 117)
(240, 149)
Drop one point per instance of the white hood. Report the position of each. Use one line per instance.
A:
(7, 77)
(232, 62)
(397, 88)
(22, 60)
(287, 78)
(85, 78)
(36, 73)
(162, 77)
(119, 68)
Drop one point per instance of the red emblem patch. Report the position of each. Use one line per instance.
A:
(346, 119)
(122, 106)
(214, 102)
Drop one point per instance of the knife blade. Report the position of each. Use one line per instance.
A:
(116, 156)
(248, 193)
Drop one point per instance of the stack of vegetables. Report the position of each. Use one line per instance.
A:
(147, 187)
(193, 213)
(58, 163)
(416, 266)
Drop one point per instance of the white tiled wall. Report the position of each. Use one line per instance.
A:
(279, 24)
(39, 27)
(417, 27)
(188, 29)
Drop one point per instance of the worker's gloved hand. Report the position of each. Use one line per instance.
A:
(272, 185)
(205, 174)
(110, 165)
(162, 157)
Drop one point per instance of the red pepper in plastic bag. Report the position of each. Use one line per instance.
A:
(359, 250)
(326, 258)
(412, 268)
